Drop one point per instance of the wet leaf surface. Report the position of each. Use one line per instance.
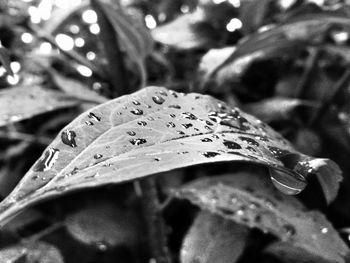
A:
(211, 238)
(250, 199)
(156, 130)
(23, 102)
(31, 253)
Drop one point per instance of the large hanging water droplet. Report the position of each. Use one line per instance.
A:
(137, 112)
(68, 138)
(47, 161)
(158, 100)
(93, 116)
(287, 183)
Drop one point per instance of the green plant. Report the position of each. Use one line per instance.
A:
(108, 127)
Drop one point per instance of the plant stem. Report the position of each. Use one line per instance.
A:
(117, 74)
(154, 221)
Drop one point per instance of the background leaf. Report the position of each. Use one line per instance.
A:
(250, 199)
(162, 130)
(23, 102)
(211, 238)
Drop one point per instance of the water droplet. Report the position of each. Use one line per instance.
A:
(180, 132)
(162, 92)
(262, 138)
(173, 93)
(251, 149)
(209, 123)
(102, 246)
(175, 106)
(93, 116)
(232, 145)
(137, 141)
(98, 156)
(189, 116)
(287, 183)
(47, 161)
(136, 112)
(172, 115)
(158, 100)
(289, 230)
(206, 140)
(184, 152)
(89, 123)
(142, 123)
(324, 230)
(68, 138)
(187, 125)
(35, 177)
(150, 118)
(171, 125)
(210, 154)
(119, 113)
(157, 159)
(135, 102)
(277, 152)
(248, 140)
(131, 133)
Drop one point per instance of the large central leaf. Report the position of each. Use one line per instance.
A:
(156, 130)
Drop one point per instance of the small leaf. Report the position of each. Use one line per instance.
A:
(276, 108)
(133, 35)
(24, 102)
(211, 238)
(76, 89)
(250, 199)
(152, 131)
(103, 225)
(31, 253)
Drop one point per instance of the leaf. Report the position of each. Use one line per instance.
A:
(286, 39)
(31, 253)
(5, 59)
(290, 254)
(103, 224)
(133, 36)
(76, 89)
(24, 102)
(250, 199)
(181, 33)
(211, 238)
(276, 108)
(148, 132)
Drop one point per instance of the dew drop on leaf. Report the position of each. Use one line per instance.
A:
(98, 156)
(189, 116)
(180, 132)
(89, 123)
(172, 115)
(171, 125)
(232, 145)
(187, 125)
(131, 133)
(47, 161)
(137, 112)
(135, 102)
(93, 116)
(206, 140)
(158, 100)
(142, 123)
(287, 183)
(175, 106)
(162, 92)
(289, 230)
(68, 138)
(210, 154)
(137, 141)
(249, 141)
